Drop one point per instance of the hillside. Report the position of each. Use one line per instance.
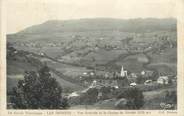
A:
(132, 25)
(57, 28)
(106, 43)
(20, 61)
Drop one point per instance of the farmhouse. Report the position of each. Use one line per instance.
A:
(148, 82)
(133, 84)
(163, 80)
(147, 73)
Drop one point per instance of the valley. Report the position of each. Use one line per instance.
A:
(81, 51)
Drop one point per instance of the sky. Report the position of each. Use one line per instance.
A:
(24, 13)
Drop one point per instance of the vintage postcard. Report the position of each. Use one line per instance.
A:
(92, 57)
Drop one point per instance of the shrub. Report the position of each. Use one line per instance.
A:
(134, 96)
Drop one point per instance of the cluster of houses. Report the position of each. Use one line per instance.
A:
(108, 85)
(124, 78)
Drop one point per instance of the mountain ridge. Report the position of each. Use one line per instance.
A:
(101, 24)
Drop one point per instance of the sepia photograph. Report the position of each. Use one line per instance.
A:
(91, 55)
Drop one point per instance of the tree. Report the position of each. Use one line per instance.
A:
(170, 97)
(134, 96)
(38, 90)
(90, 96)
(140, 79)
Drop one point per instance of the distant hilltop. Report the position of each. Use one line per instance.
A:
(103, 24)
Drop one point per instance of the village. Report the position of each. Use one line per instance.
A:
(110, 85)
(100, 69)
(125, 78)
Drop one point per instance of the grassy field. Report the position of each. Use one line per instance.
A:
(133, 63)
(102, 57)
(66, 85)
(165, 62)
(67, 69)
(18, 67)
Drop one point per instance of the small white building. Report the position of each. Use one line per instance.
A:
(163, 80)
(85, 73)
(74, 94)
(148, 82)
(41, 54)
(143, 72)
(133, 84)
(92, 73)
(133, 75)
(147, 73)
(94, 83)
